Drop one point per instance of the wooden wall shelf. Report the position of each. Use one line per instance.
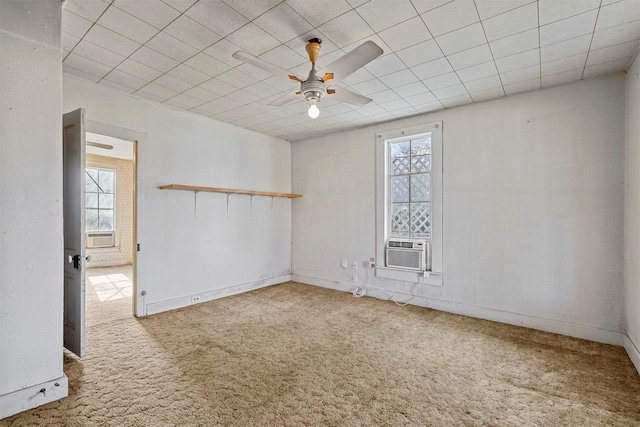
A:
(227, 191)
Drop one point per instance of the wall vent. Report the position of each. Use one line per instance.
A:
(407, 254)
(100, 240)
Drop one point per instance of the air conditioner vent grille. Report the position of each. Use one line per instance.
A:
(407, 254)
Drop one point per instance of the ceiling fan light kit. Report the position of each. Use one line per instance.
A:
(314, 88)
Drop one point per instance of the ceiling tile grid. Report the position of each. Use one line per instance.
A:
(437, 53)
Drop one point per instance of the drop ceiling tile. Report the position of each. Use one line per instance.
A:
(157, 90)
(254, 72)
(523, 86)
(427, 108)
(618, 13)
(462, 39)
(483, 84)
(369, 87)
(519, 60)
(281, 84)
(127, 25)
(200, 112)
(403, 112)
(555, 10)
(111, 40)
(432, 68)
(385, 65)
(318, 12)
(337, 108)
(90, 10)
(186, 100)
(283, 23)
(411, 89)
(206, 64)
(247, 97)
(515, 21)
(150, 96)
(180, 5)
(86, 65)
(565, 48)
(568, 28)
(173, 83)
(324, 61)
(262, 90)
(474, 56)
(386, 50)
(420, 53)
(69, 41)
(451, 16)
(172, 47)
(67, 70)
(74, 24)
(222, 50)
(562, 78)
(192, 32)
(236, 78)
(421, 99)
(189, 74)
(217, 16)
(516, 43)
(381, 15)
(384, 96)
(218, 87)
(346, 29)
(251, 9)
(423, 6)
(371, 109)
(442, 81)
(157, 14)
(176, 104)
(298, 44)
(286, 58)
(612, 53)
(399, 78)
(606, 67)
(450, 92)
(456, 101)
(139, 70)
(520, 75)
(253, 39)
(154, 59)
(98, 54)
(564, 64)
(406, 34)
(479, 71)
(125, 79)
(116, 86)
(489, 8)
(487, 94)
(362, 75)
(616, 35)
(202, 94)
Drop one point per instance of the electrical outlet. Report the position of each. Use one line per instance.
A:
(197, 298)
(355, 265)
(354, 278)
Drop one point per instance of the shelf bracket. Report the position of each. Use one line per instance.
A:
(251, 206)
(228, 197)
(195, 203)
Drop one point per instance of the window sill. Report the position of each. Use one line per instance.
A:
(427, 278)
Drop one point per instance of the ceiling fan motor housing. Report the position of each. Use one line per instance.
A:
(313, 88)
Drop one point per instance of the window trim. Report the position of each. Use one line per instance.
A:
(117, 202)
(433, 277)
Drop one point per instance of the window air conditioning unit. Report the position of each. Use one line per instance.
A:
(407, 254)
(100, 240)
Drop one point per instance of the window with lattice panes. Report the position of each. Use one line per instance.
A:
(410, 185)
(100, 200)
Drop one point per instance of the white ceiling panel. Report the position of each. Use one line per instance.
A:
(451, 16)
(382, 14)
(179, 52)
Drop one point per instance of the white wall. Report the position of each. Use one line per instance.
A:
(533, 209)
(185, 251)
(31, 273)
(632, 215)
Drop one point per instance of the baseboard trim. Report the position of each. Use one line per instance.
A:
(172, 304)
(632, 351)
(591, 333)
(31, 397)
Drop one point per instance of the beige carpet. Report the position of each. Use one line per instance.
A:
(293, 355)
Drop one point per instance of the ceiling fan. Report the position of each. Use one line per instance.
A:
(314, 87)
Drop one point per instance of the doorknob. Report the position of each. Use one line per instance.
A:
(88, 258)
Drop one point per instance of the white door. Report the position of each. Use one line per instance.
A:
(74, 231)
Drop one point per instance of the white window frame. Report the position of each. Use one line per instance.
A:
(117, 211)
(434, 276)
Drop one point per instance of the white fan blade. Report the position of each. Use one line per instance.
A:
(264, 65)
(291, 96)
(345, 95)
(353, 61)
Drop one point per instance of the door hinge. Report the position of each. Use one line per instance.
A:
(138, 247)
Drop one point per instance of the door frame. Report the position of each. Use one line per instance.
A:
(135, 137)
